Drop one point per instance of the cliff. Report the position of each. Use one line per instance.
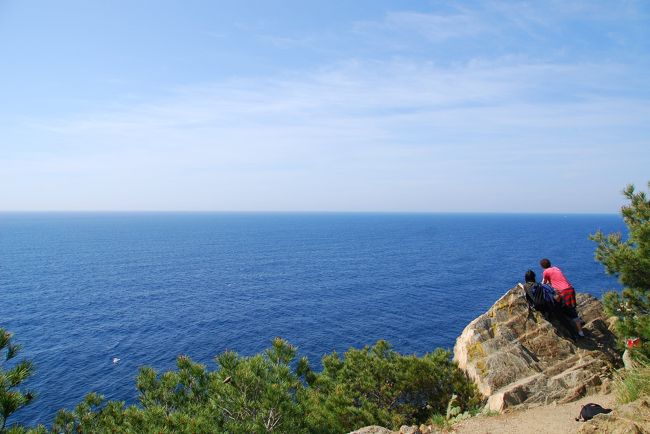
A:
(518, 358)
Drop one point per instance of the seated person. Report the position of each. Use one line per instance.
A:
(544, 299)
(532, 286)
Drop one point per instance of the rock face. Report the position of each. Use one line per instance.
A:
(518, 358)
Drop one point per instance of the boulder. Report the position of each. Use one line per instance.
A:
(518, 358)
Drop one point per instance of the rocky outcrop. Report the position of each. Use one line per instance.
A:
(517, 358)
(633, 418)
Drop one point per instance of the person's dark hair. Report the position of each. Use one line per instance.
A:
(545, 263)
(530, 276)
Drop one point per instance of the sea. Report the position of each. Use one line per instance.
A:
(80, 289)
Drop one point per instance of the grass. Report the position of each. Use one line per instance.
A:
(633, 384)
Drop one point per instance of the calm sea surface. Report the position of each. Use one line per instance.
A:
(79, 289)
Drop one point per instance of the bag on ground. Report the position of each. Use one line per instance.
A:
(588, 411)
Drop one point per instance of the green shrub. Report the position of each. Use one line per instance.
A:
(377, 386)
(264, 394)
(244, 395)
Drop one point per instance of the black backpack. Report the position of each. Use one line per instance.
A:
(539, 297)
(588, 411)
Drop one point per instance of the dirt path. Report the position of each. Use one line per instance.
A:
(551, 419)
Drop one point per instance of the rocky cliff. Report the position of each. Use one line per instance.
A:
(518, 358)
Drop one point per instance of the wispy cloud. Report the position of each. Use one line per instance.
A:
(362, 90)
(354, 124)
(548, 29)
(389, 132)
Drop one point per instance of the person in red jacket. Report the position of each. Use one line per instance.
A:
(554, 277)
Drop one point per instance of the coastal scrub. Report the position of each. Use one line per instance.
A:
(273, 392)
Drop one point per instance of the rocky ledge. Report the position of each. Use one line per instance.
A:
(518, 358)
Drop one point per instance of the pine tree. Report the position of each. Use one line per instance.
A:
(378, 386)
(629, 260)
(11, 376)
(272, 392)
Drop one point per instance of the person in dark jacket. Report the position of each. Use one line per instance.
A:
(554, 309)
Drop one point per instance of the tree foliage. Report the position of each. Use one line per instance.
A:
(629, 260)
(12, 375)
(272, 392)
(377, 386)
(255, 394)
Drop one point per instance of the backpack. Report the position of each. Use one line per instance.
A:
(588, 411)
(540, 297)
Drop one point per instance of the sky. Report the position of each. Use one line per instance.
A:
(337, 105)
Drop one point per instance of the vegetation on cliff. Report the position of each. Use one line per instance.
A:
(274, 392)
(377, 386)
(629, 259)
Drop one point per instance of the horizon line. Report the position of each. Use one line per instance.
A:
(296, 212)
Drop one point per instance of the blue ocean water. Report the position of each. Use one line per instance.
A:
(78, 289)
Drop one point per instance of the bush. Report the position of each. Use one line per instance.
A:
(377, 386)
(263, 393)
(245, 395)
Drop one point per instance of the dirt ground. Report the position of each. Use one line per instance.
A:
(552, 419)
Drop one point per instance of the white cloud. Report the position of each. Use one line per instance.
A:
(361, 134)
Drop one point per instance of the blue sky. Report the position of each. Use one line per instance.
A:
(425, 106)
